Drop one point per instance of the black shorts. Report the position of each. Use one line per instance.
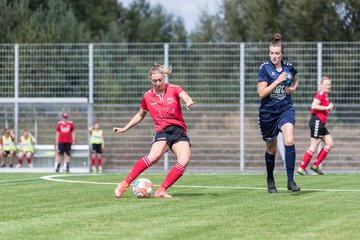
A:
(317, 128)
(96, 148)
(7, 153)
(64, 148)
(171, 135)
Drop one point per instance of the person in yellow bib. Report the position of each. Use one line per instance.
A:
(7, 147)
(97, 146)
(26, 146)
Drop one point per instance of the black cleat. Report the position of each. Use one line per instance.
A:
(11, 165)
(3, 165)
(271, 186)
(67, 169)
(293, 187)
(57, 169)
(317, 170)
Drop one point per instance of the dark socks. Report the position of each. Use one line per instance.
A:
(290, 156)
(270, 165)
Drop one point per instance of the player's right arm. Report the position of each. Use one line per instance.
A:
(316, 105)
(56, 139)
(135, 120)
(264, 89)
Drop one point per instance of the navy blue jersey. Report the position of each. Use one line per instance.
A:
(278, 101)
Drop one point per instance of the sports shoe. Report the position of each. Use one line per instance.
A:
(293, 187)
(161, 193)
(99, 169)
(11, 165)
(93, 169)
(31, 166)
(57, 169)
(18, 165)
(67, 168)
(317, 170)
(121, 188)
(3, 165)
(271, 186)
(302, 171)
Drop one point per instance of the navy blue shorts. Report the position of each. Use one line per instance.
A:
(271, 123)
(171, 135)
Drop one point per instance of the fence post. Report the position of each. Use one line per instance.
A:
(16, 90)
(319, 76)
(91, 73)
(319, 63)
(90, 104)
(242, 105)
(166, 63)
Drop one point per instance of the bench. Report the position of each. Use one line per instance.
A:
(44, 157)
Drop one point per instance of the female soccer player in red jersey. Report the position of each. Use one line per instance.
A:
(318, 132)
(163, 103)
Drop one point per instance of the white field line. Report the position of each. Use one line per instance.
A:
(55, 179)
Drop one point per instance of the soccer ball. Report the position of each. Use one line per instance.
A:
(143, 188)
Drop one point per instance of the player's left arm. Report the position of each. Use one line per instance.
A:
(33, 140)
(12, 135)
(187, 99)
(293, 86)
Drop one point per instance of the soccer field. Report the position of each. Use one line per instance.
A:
(205, 206)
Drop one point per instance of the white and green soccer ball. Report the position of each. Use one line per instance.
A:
(142, 188)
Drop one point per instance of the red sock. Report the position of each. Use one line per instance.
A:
(321, 156)
(143, 164)
(173, 176)
(99, 162)
(20, 161)
(92, 162)
(306, 159)
(29, 160)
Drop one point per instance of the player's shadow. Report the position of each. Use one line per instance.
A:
(302, 192)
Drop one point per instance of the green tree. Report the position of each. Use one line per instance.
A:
(56, 23)
(48, 23)
(142, 23)
(98, 16)
(302, 20)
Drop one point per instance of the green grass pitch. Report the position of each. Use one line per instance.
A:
(205, 206)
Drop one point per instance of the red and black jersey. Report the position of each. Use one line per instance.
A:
(65, 130)
(164, 109)
(324, 101)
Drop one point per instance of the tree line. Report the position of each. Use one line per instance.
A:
(75, 21)
(83, 21)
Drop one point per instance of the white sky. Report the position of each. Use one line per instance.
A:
(189, 10)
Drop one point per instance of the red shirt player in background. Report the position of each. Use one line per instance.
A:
(163, 103)
(319, 114)
(65, 137)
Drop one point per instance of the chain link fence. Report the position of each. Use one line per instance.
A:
(221, 77)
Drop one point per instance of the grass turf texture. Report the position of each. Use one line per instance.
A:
(37, 209)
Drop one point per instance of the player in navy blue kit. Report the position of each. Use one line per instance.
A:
(276, 81)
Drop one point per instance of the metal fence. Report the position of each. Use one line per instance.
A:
(222, 78)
